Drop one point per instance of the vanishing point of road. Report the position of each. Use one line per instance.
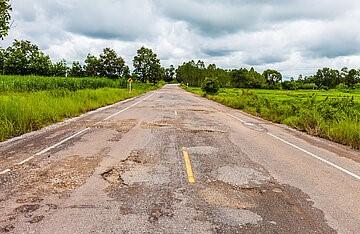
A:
(172, 162)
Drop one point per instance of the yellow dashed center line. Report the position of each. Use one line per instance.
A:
(189, 171)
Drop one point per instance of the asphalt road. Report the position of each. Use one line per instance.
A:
(173, 162)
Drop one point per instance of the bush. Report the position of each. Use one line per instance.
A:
(210, 85)
(309, 86)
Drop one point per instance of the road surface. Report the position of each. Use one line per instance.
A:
(172, 162)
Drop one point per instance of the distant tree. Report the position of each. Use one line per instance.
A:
(5, 17)
(350, 77)
(272, 77)
(92, 66)
(147, 65)
(2, 60)
(210, 85)
(327, 78)
(59, 69)
(76, 70)
(126, 72)
(200, 64)
(111, 65)
(169, 74)
(24, 58)
(40, 64)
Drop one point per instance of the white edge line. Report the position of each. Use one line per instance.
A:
(305, 151)
(233, 116)
(61, 142)
(317, 157)
(26, 160)
(86, 129)
(5, 171)
(82, 131)
(125, 109)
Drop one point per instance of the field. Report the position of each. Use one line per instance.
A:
(334, 115)
(30, 103)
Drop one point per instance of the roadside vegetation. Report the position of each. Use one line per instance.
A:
(334, 115)
(22, 112)
(326, 104)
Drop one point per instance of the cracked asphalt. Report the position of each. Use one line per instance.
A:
(127, 174)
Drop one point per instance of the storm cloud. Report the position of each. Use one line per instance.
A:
(292, 36)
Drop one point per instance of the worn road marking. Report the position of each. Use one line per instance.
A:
(77, 134)
(125, 109)
(61, 142)
(233, 116)
(5, 171)
(305, 151)
(317, 157)
(189, 171)
(86, 129)
(26, 160)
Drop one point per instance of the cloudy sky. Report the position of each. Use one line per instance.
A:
(293, 36)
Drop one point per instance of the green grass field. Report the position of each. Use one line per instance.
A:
(334, 115)
(24, 109)
(37, 83)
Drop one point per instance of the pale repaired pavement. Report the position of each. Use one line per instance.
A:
(173, 162)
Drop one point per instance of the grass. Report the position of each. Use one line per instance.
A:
(22, 112)
(38, 83)
(333, 114)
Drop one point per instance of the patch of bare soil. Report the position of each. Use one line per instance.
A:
(113, 175)
(281, 207)
(122, 127)
(59, 177)
(158, 124)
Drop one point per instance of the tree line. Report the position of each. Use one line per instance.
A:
(194, 74)
(25, 58)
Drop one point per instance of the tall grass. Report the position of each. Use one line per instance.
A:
(37, 83)
(27, 111)
(335, 116)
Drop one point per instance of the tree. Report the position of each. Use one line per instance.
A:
(169, 74)
(147, 65)
(2, 60)
(59, 69)
(92, 66)
(76, 70)
(272, 77)
(111, 65)
(327, 78)
(24, 58)
(350, 77)
(39, 64)
(5, 17)
(210, 85)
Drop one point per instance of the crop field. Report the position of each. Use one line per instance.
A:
(30, 103)
(333, 114)
(37, 83)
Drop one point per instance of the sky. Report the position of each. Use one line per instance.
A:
(292, 36)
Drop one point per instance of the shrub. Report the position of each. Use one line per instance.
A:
(309, 86)
(210, 85)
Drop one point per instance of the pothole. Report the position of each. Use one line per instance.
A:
(37, 219)
(240, 176)
(152, 175)
(236, 217)
(158, 211)
(28, 208)
(202, 150)
(204, 130)
(113, 176)
(222, 196)
(158, 124)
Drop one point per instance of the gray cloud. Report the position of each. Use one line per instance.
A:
(292, 36)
